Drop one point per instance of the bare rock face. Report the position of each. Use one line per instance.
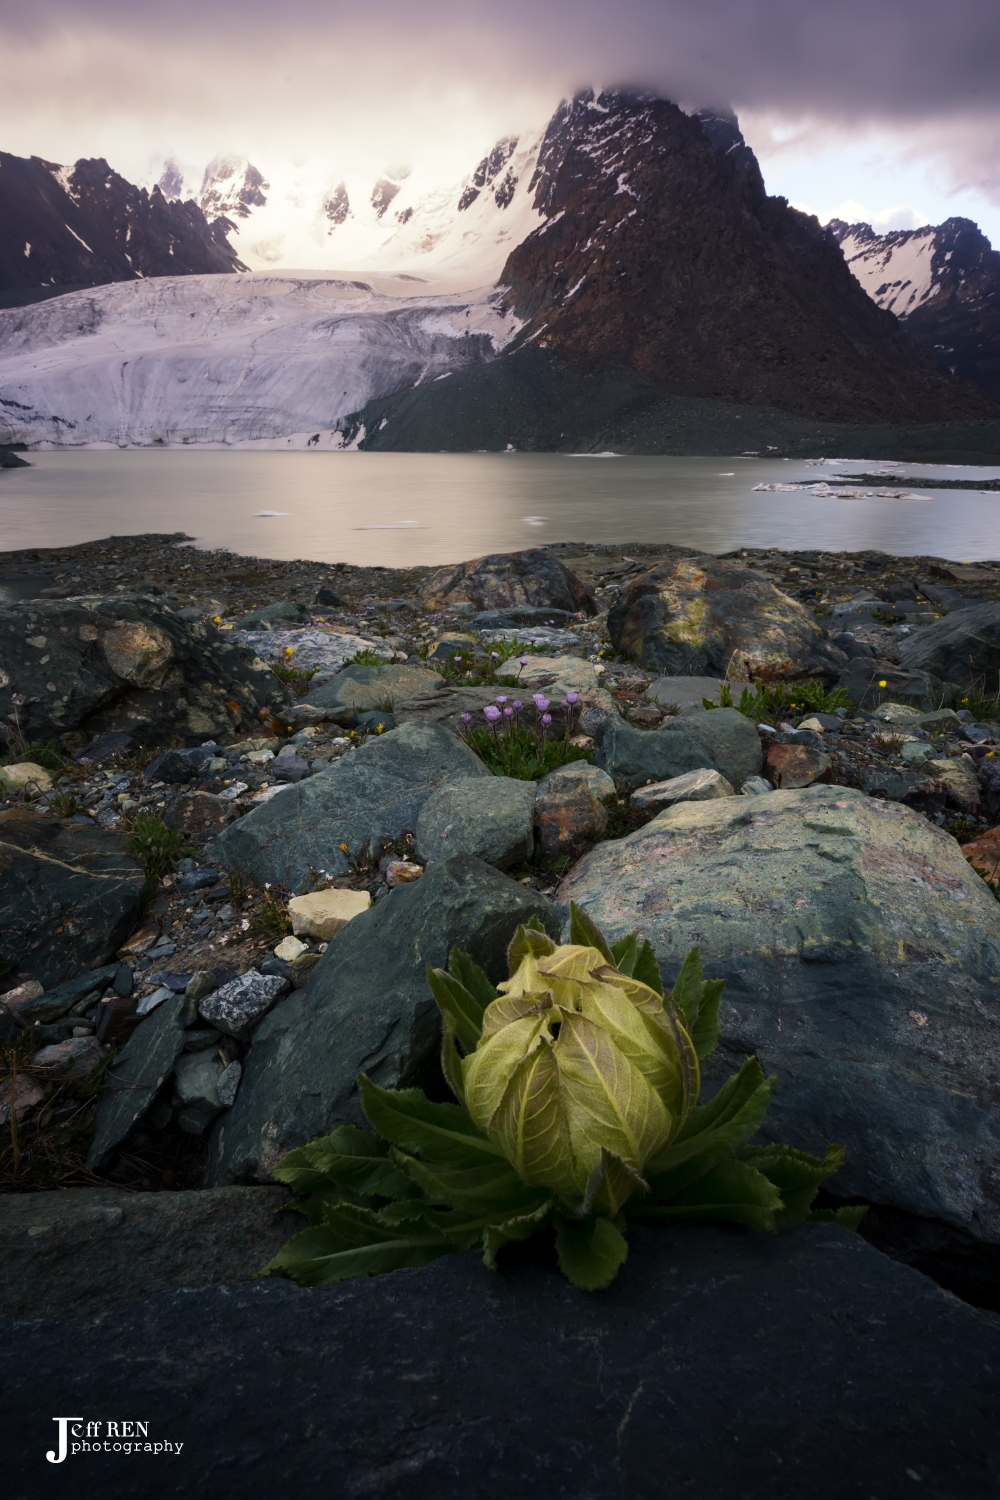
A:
(662, 254)
(862, 954)
(710, 617)
(126, 664)
(507, 580)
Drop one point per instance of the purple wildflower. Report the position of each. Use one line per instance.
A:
(572, 698)
(540, 701)
(524, 660)
(466, 718)
(501, 699)
(546, 719)
(518, 703)
(492, 712)
(508, 713)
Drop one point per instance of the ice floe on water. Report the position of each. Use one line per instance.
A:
(845, 492)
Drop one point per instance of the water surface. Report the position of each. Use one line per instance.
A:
(400, 508)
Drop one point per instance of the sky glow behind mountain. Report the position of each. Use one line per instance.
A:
(880, 109)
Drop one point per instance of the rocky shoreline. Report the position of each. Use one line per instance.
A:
(243, 803)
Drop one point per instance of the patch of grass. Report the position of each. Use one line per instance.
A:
(366, 657)
(983, 705)
(271, 920)
(63, 804)
(622, 819)
(522, 753)
(48, 1147)
(487, 669)
(156, 847)
(887, 743)
(769, 701)
(296, 678)
(50, 755)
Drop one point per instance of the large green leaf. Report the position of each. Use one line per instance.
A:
(729, 1100)
(496, 1190)
(795, 1174)
(732, 1190)
(695, 1152)
(528, 940)
(609, 1103)
(585, 931)
(610, 1185)
(439, 1132)
(468, 973)
(530, 1121)
(646, 969)
(687, 988)
(459, 1008)
(705, 1031)
(590, 1251)
(625, 952)
(357, 1246)
(351, 1159)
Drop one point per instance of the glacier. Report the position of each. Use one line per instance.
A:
(232, 360)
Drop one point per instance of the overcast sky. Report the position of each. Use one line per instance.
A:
(880, 109)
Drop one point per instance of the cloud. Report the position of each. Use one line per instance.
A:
(388, 79)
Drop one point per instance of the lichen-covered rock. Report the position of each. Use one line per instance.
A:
(375, 792)
(709, 617)
(238, 1006)
(24, 779)
(488, 817)
(862, 955)
(362, 688)
(569, 815)
(366, 1007)
(506, 580)
(723, 740)
(693, 786)
(69, 896)
(124, 664)
(791, 766)
(600, 783)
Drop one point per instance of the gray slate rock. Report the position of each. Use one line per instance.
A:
(55, 1003)
(490, 818)
(722, 740)
(366, 1008)
(862, 955)
(693, 786)
(962, 647)
(374, 791)
(600, 783)
(238, 1006)
(273, 614)
(124, 664)
(739, 1365)
(69, 896)
(862, 681)
(135, 1078)
(367, 687)
(686, 693)
(90, 1251)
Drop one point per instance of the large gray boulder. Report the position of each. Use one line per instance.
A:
(69, 896)
(125, 664)
(373, 792)
(506, 580)
(372, 687)
(491, 818)
(862, 955)
(743, 1365)
(366, 1008)
(723, 740)
(962, 647)
(135, 1078)
(712, 618)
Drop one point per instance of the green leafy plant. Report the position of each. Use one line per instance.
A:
(296, 678)
(577, 1084)
(366, 657)
(156, 847)
(486, 668)
(521, 753)
(771, 700)
(271, 920)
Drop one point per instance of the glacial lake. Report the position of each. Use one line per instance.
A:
(399, 509)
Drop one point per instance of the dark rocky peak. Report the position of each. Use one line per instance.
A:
(490, 173)
(662, 253)
(337, 206)
(86, 225)
(233, 187)
(171, 183)
(723, 130)
(382, 195)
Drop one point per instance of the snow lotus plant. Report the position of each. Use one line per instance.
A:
(577, 1083)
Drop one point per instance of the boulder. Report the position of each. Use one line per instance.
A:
(363, 688)
(738, 1364)
(239, 1006)
(723, 740)
(69, 895)
(124, 664)
(24, 779)
(506, 580)
(575, 771)
(963, 647)
(957, 777)
(686, 693)
(374, 792)
(273, 614)
(366, 1007)
(569, 816)
(708, 616)
(175, 766)
(488, 817)
(862, 955)
(869, 683)
(135, 1078)
(796, 765)
(97, 1250)
(693, 786)
(321, 914)
(324, 650)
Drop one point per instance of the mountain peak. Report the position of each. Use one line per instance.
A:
(231, 188)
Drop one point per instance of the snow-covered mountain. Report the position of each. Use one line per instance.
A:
(401, 218)
(942, 282)
(233, 360)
